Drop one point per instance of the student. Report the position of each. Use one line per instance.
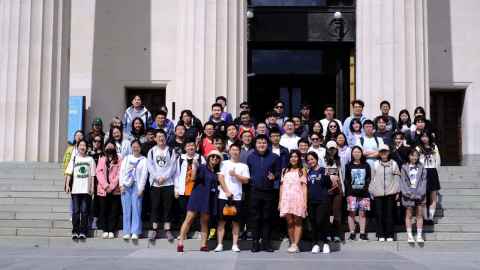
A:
(149, 141)
(385, 188)
(193, 126)
(333, 168)
(319, 208)
(413, 186)
(329, 113)
(390, 121)
(317, 147)
(293, 198)
(419, 127)
(115, 122)
(97, 130)
(244, 107)
(404, 124)
(233, 174)
(303, 146)
(161, 163)
(279, 108)
(420, 111)
(203, 199)
(261, 128)
(133, 177)
(134, 111)
(225, 116)
(187, 166)
(381, 131)
(96, 152)
(246, 138)
(370, 143)
(357, 179)
(219, 142)
(357, 106)
(271, 118)
(332, 131)
(72, 149)
(317, 127)
(289, 139)
(279, 150)
(306, 116)
(400, 150)
(216, 118)
(206, 142)
(344, 151)
(161, 123)
(177, 141)
(122, 145)
(264, 168)
(300, 130)
(246, 123)
(232, 134)
(79, 182)
(356, 132)
(430, 159)
(108, 190)
(137, 132)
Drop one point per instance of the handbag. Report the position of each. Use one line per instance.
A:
(229, 210)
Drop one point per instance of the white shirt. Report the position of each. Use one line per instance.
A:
(133, 171)
(81, 169)
(290, 142)
(325, 123)
(234, 185)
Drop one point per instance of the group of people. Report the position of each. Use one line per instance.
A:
(282, 174)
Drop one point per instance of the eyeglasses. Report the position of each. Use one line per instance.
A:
(278, 107)
(315, 139)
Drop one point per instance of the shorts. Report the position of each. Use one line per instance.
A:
(357, 203)
(236, 218)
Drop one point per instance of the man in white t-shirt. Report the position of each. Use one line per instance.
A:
(289, 139)
(370, 143)
(233, 174)
(329, 113)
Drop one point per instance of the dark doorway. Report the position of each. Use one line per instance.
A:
(152, 98)
(446, 112)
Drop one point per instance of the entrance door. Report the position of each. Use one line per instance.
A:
(152, 98)
(446, 112)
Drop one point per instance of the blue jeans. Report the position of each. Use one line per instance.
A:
(132, 210)
(80, 213)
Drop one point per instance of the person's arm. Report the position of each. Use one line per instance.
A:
(91, 182)
(438, 160)
(404, 188)
(241, 177)
(367, 178)
(280, 193)
(152, 167)
(176, 180)
(422, 185)
(100, 172)
(123, 177)
(68, 175)
(348, 180)
(223, 185)
(172, 169)
(114, 182)
(142, 172)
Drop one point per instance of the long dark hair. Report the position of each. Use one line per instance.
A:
(400, 122)
(332, 157)
(110, 134)
(299, 164)
(310, 127)
(216, 168)
(431, 142)
(363, 159)
(141, 132)
(332, 136)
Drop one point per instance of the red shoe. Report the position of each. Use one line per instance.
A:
(180, 248)
(204, 249)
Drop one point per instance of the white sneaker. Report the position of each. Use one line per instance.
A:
(219, 248)
(293, 249)
(134, 237)
(326, 249)
(410, 239)
(381, 239)
(126, 236)
(420, 239)
(105, 235)
(111, 235)
(235, 248)
(316, 249)
(390, 239)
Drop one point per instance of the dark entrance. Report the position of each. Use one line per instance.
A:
(152, 98)
(299, 53)
(446, 111)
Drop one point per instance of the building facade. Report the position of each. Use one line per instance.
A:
(184, 53)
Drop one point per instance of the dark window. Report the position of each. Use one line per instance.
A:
(287, 61)
(301, 3)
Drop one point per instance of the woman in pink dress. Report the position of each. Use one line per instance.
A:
(293, 198)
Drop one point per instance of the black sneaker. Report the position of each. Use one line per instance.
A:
(267, 247)
(82, 236)
(255, 247)
(152, 235)
(363, 237)
(169, 236)
(353, 236)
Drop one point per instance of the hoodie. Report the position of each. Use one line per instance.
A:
(413, 183)
(161, 163)
(108, 176)
(385, 179)
(133, 171)
(131, 113)
(260, 165)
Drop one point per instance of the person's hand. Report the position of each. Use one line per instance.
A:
(160, 180)
(122, 189)
(397, 197)
(67, 189)
(140, 193)
(232, 173)
(270, 176)
(228, 194)
(177, 195)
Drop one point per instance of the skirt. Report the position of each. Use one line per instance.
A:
(202, 201)
(433, 182)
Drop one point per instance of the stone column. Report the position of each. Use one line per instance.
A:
(211, 55)
(34, 42)
(392, 54)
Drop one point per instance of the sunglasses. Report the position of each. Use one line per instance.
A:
(278, 107)
(215, 157)
(315, 139)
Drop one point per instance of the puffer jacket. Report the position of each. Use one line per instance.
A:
(385, 179)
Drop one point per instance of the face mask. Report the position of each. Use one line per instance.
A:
(110, 151)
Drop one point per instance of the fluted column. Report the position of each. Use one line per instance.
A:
(34, 42)
(392, 54)
(211, 54)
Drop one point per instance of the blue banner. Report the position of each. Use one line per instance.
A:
(76, 115)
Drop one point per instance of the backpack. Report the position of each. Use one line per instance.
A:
(362, 141)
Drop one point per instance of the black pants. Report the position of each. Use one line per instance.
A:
(245, 219)
(80, 213)
(262, 208)
(384, 207)
(319, 215)
(109, 215)
(336, 202)
(162, 199)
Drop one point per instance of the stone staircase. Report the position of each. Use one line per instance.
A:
(34, 209)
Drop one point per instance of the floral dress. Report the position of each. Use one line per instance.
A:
(293, 197)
